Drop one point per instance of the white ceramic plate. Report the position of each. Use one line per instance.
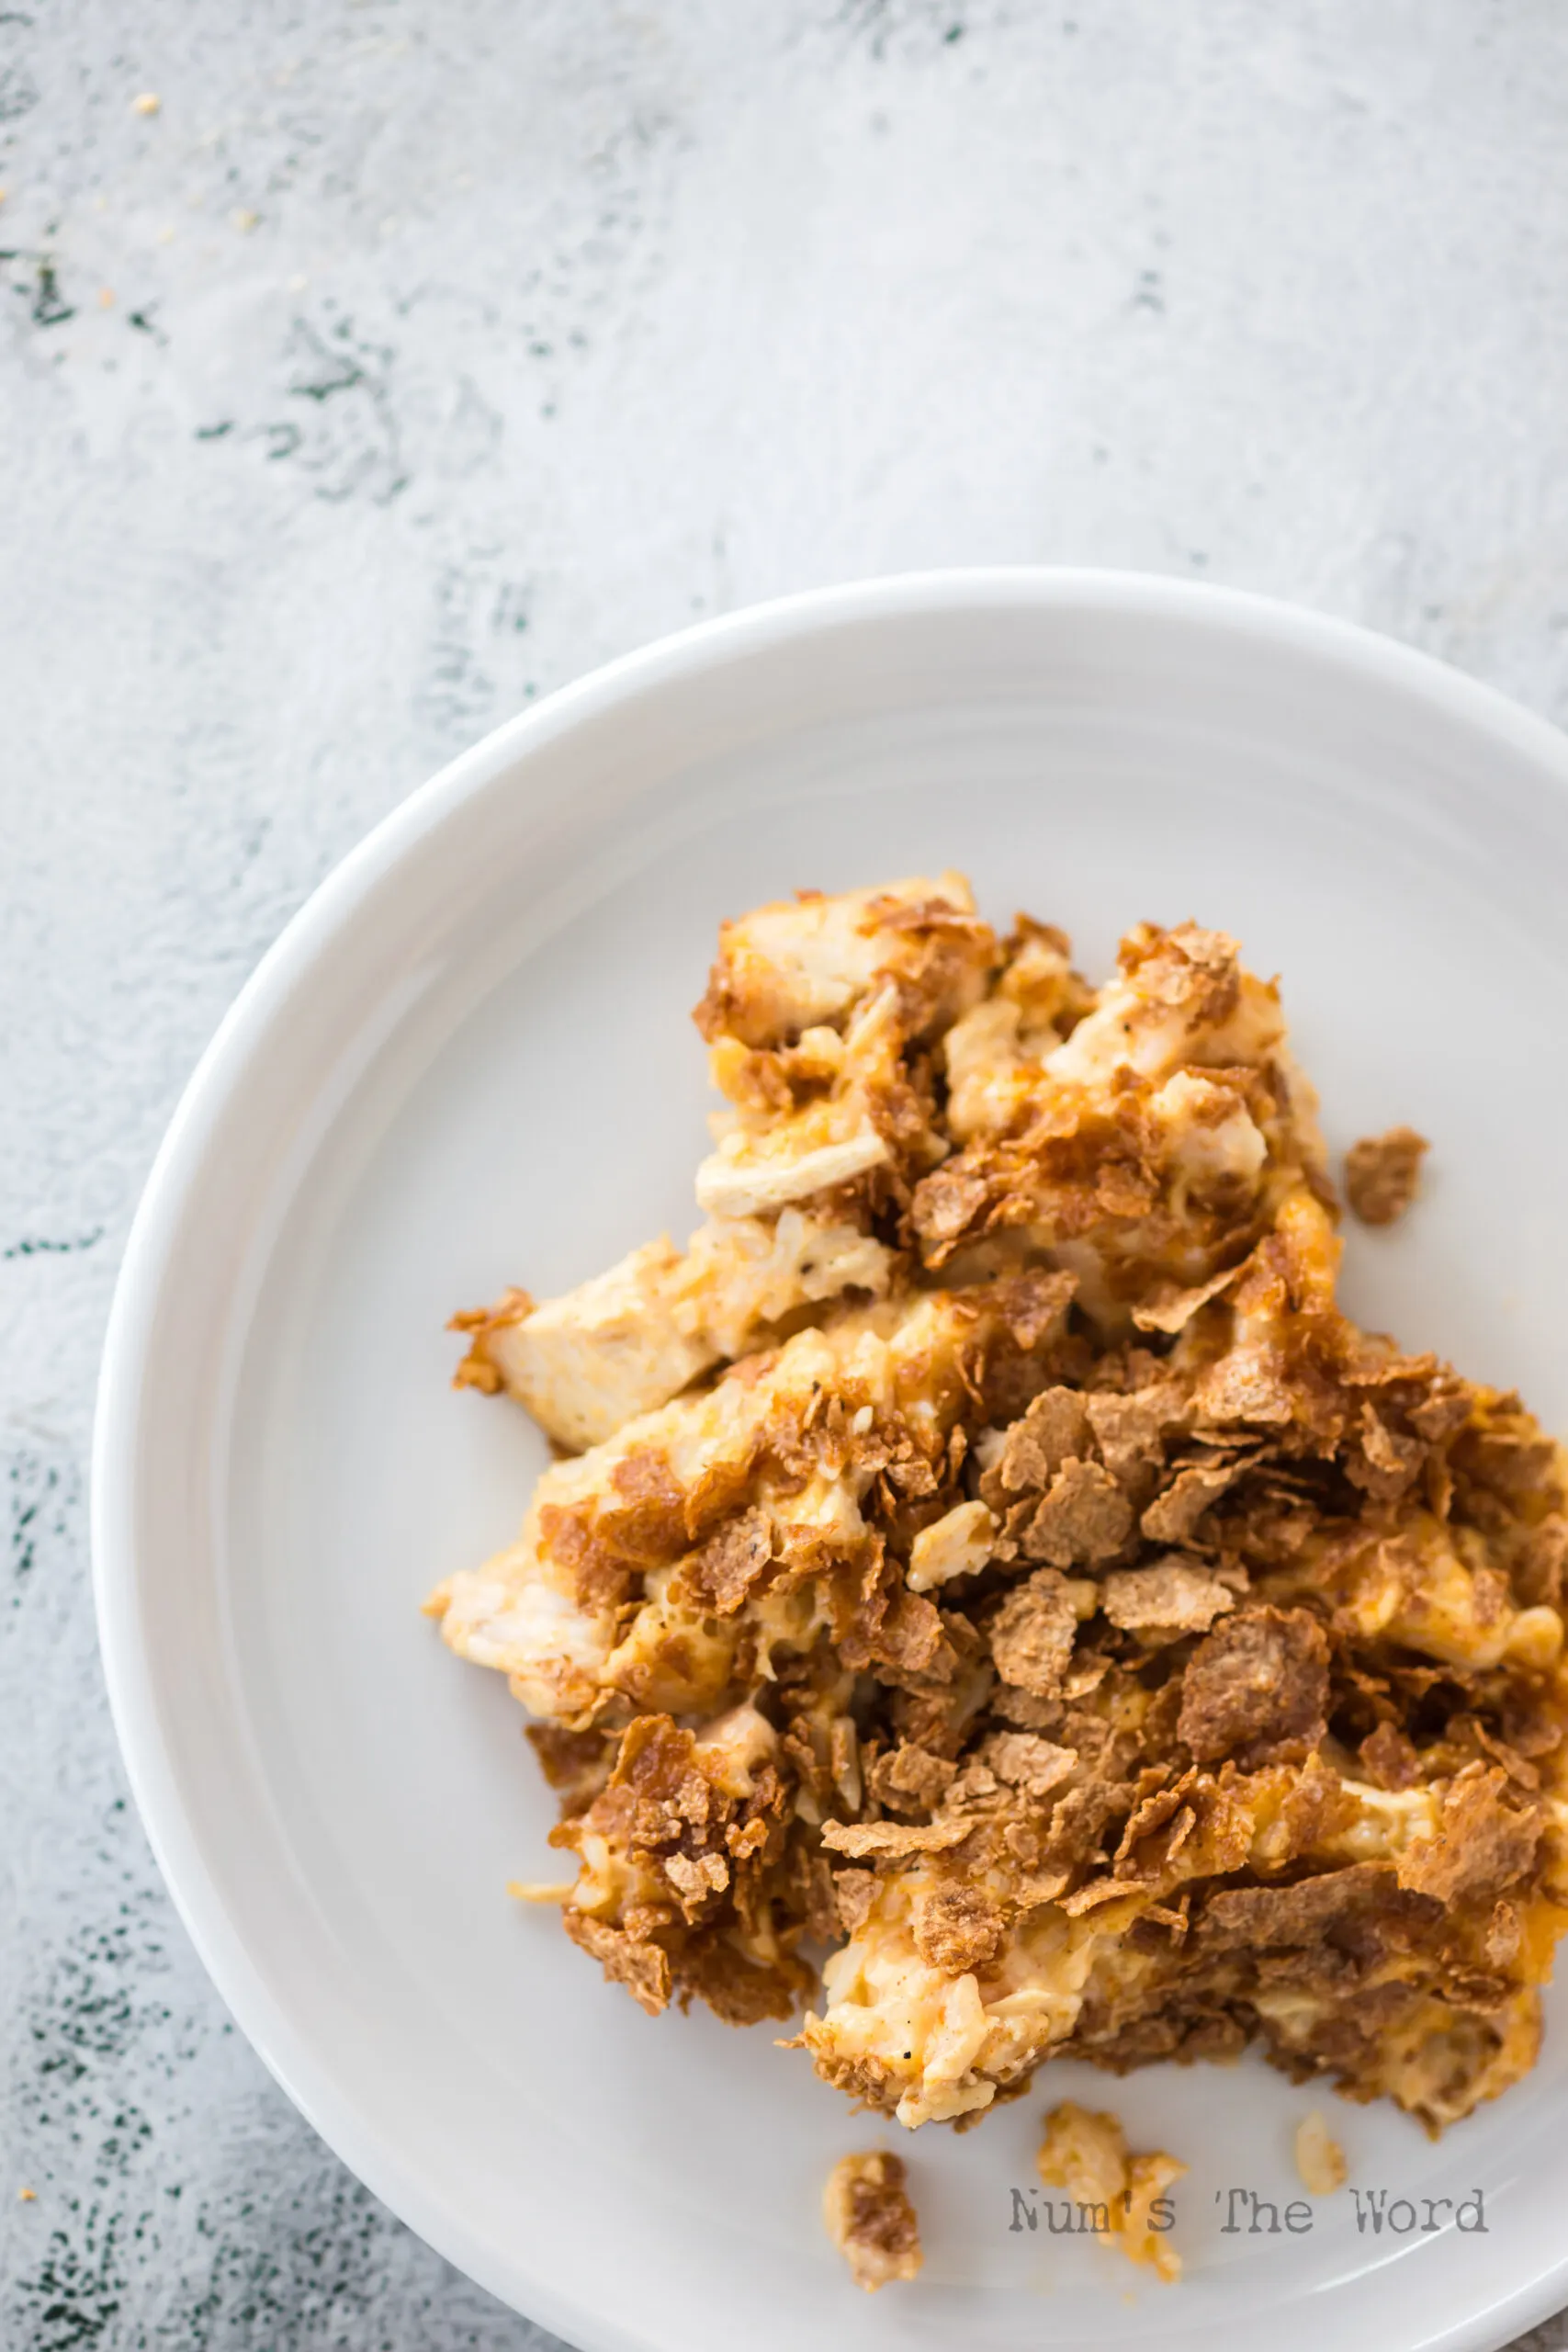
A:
(468, 1063)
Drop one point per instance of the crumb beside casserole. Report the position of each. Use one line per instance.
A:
(869, 2217)
(1121, 2195)
(1320, 2159)
(1383, 1174)
(996, 1597)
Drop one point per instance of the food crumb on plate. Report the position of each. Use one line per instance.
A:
(1320, 2159)
(1087, 2153)
(1383, 1174)
(870, 2219)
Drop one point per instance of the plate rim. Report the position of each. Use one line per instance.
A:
(152, 1251)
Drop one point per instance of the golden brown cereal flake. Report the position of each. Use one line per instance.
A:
(957, 1928)
(1055, 1428)
(1480, 1842)
(892, 1841)
(1166, 1600)
(1383, 1174)
(1256, 1687)
(734, 1562)
(1083, 1520)
(1024, 1761)
(1032, 1635)
(909, 1779)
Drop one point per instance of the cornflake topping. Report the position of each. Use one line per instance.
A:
(989, 1596)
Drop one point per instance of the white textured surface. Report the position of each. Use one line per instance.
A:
(553, 328)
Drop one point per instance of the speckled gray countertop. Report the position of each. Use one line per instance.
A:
(390, 364)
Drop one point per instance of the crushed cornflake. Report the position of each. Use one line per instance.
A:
(870, 2219)
(1383, 1174)
(1165, 1601)
(1033, 1632)
(890, 1840)
(988, 1593)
